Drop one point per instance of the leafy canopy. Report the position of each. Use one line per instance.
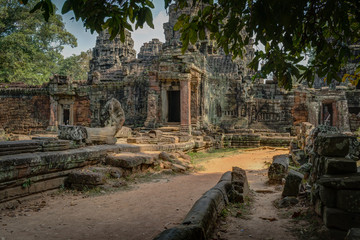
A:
(288, 29)
(76, 66)
(30, 47)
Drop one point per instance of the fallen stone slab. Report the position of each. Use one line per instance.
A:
(278, 169)
(178, 168)
(124, 132)
(292, 183)
(82, 178)
(201, 219)
(129, 160)
(182, 232)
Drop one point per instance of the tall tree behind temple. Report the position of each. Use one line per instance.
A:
(76, 66)
(30, 47)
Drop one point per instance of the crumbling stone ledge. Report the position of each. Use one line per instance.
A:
(29, 173)
(200, 221)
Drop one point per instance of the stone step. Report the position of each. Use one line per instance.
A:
(339, 166)
(169, 128)
(35, 145)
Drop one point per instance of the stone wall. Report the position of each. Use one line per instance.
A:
(24, 110)
(300, 110)
(82, 113)
(337, 182)
(131, 94)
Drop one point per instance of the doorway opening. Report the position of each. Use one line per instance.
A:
(66, 116)
(173, 106)
(328, 114)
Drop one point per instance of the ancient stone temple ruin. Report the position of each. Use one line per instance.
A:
(133, 110)
(203, 89)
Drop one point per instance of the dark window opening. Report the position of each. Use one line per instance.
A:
(173, 106)
(66, 117)
(354, 110)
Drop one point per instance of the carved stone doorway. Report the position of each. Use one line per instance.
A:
(173, 106)
(66, 116)
(328, 114)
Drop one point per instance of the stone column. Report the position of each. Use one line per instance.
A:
(185, 103)
(153, 101)
(53, 123)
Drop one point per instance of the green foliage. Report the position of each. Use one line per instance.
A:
(288, 30)
(27, 183)
(76, 66)
(30, 47)
(112, 15)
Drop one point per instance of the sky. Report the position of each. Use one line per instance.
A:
(86, 40)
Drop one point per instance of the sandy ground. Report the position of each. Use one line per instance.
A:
(146, 209)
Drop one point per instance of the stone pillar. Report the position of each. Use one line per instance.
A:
(53, 122)
(153, 101)
(185, 103)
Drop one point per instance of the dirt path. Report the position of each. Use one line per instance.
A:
(263, 223)
(139, 213)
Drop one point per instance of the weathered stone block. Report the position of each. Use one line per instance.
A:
(278, 169)
(101, 135)
(124, 132)
(292, 184)
(299, 157)
(178, 168)
(240, 185)
(155, 134)
(86, 178)
(129, 160)
(348, 200)
(348, 181)
(199, 144)
(184, 138)
(327, 196)
(209, 139)
(333, 145)
(339, 166)
(335, 218)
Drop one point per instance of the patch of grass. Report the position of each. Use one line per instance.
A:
(238, 210)
(242, 210)
(267, 164)
(198, 157)
(27, 183)
(225, 212)
(93, 191)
